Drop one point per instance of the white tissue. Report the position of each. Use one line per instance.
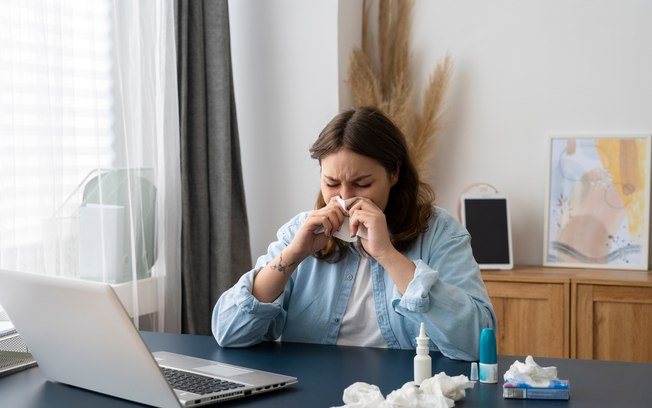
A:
(440, 391)
(451, 387)
(531, 373)
(409, 395)
(344, 233)
(362, 395)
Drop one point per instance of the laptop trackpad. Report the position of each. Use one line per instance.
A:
(221, 370)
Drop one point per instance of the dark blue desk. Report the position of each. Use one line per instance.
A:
(325, 371)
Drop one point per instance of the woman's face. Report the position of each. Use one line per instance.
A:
(349, 174)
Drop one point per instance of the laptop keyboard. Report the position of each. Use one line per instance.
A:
(195, 383)
(13, 361)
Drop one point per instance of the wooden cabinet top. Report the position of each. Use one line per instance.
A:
(543, 274)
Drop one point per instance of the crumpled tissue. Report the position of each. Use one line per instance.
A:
(344, 233)
(440, 391)
(531, 373)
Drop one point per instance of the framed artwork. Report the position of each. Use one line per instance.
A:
(597, 201)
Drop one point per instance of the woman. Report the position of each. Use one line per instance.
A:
(410, 262)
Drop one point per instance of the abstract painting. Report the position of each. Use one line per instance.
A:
(597, 207)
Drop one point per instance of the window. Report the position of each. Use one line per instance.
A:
(88, 87)
(56, 104)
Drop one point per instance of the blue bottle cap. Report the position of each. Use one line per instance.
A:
(488, 346)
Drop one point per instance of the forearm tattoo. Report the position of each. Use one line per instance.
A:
(281, 267)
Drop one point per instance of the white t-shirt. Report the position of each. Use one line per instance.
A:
(359, 324)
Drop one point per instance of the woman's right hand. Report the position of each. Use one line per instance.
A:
(307, 241)
(269, 283)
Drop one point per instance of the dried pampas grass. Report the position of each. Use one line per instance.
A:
(389, 87)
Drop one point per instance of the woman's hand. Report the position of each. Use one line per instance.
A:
(367, 216)
(270, 281)
(364, 213)
(306, 241)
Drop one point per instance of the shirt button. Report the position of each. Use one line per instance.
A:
(336, 320)
(349, 277)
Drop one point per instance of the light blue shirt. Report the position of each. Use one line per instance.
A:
(447, 294)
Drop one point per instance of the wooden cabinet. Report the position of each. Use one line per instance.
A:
(612, 318)
(533, 312)
(577, 313)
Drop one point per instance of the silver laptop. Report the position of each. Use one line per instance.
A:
(81, 335)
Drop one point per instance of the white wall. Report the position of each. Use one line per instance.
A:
(286, 75)
(522, 71)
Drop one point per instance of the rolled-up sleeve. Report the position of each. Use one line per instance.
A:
(416, 297)
(447, 292)
(239, 319)
(249, 304)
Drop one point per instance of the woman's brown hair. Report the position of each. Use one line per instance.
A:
(368, 132)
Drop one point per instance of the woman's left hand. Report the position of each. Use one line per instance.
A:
(364, 214)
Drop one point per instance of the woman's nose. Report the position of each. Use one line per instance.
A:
(345, 193)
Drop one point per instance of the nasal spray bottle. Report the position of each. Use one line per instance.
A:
(488, 360)
(422, 361)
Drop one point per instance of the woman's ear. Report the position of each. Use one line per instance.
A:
(394, 177)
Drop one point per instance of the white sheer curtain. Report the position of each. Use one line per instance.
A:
(89, 148)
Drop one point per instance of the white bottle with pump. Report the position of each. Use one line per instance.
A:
(422, 361)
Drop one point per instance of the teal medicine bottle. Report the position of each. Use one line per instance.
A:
(488, 360)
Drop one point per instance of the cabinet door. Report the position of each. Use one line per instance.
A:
(613, 323)
(533, 318)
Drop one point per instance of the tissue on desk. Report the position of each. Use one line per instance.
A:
(363, 395)
(531, 373)
(440, 391)
(530, 381)
(344, 233)
(450, 387)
